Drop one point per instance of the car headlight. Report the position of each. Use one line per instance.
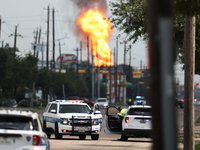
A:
(105, 104)
(95, 121)
(65, 121)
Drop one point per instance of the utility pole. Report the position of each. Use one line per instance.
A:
(53, 39)
(15, 38)
(47, 52)
(60, 56)
(162, 59)
(92, 75)
(81, 51)
(88, 51)
(39, 40)
(35, 41)
(77, 60)
(0, 28)
(124, 72)
(189, 40)
(110, 77)
(115, 76)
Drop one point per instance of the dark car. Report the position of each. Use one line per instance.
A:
(9, 103)
(179, 102)
(85, 100)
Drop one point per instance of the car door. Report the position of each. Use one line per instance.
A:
(97, 114)
(52, 112)
(113, 124)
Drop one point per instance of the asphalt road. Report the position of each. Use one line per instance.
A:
(109, 141)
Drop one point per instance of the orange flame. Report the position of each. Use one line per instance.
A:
(94, 24)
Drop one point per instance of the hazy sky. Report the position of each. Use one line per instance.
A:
(32, 14)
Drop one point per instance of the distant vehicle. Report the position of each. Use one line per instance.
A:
(85, 100)
(139, 100)
(72, 117)
(179, 102)
(136, 123)
(103, 102)
(21, 130)
(73, 97)
(9, 103)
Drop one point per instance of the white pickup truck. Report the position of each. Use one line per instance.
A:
(72, 117)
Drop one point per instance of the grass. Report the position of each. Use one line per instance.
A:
(198, 120)
(180, 140)
(197, 146)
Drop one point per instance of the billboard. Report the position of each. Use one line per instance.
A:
(67, 58)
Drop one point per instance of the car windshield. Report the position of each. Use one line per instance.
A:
(140, 111)
(74, 109)
(9, 102)
(16, 123)
(101, 100)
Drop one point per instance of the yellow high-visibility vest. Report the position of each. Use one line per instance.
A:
(123, 112)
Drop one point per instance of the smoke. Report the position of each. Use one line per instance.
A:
(73, 9)
(88, 4)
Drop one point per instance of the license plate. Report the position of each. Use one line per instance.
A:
(142, 121)
(81, 130)
(5, 141)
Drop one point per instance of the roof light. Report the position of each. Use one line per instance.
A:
(138, 97)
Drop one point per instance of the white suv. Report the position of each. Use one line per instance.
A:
(71, 117)
(21, 129)
(136, 123)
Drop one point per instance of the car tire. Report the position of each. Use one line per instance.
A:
(82, 137)
(57, 134)
(95, 136)
(124, 138)
(45, 129)
(178, 106)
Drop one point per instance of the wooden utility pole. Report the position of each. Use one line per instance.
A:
(0, 28)
(35, 42)
(15, 39)
(189, 82)
(88, 51)
(38, 41)
(60, 56)
(124, 72)
(110, 76)
(81, 51)
(53, 39)
(77, 60)
(47, 52)
(161, 69)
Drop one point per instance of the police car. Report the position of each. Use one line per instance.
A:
(136, 123)
(72, 117)
(21, 130)
(139, 100)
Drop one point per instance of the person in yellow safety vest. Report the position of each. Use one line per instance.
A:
(122, 112)
(129, 100)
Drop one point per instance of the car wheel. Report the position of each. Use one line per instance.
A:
(57, 134)
(95, 136)
(82, 137)
(124, 138)
(178, 106)
(45, 129)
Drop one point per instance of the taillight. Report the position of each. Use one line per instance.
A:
(36, 139)
(182, 100)
(127, 119)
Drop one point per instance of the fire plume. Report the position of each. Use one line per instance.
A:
(98, 28)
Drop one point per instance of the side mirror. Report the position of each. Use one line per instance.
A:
(53, 111)
(97, 112)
